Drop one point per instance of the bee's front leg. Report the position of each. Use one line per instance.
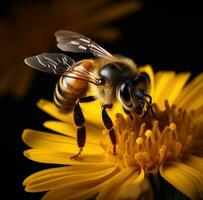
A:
(80, 123)
(109, 125)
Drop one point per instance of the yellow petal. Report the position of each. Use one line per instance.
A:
(80, 189)
(92, 112)
(70, 170)
(162, 80)
(195, 162)
(107, 33)
(148, 69)
(194, 97)
(111, 187)
(198, 112)
(114, 12)
(64, 128)
(54, 142)
(60, 179)
(73, 194)
(196, 103)
(172, 89)
(51, 109)
(184, 178)
(177, 86)
(183, 97)
(94, 133)
(134, 187)
(63, 158)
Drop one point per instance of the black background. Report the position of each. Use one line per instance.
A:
(166, 34)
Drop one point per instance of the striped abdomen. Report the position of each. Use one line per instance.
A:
(67, 91)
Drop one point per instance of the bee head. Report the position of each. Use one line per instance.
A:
(131, 96)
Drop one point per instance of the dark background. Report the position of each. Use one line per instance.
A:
(166, 34)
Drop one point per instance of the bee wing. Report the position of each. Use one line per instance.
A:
(75, 42)
(60, 64)
(53, 63)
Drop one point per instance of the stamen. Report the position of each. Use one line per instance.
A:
(148, 133)
(172, 126)
(142, 128)
(139, 141)
(162, 154)
(156, 132)
(178, 148)
(150, 142)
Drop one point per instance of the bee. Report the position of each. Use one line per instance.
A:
(108, 77)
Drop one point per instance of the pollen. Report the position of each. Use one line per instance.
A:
(153, 141)
(139, 141)
(148, 133)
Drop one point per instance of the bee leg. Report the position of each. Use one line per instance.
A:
(128, 113)
(80, 123)
(109, 125)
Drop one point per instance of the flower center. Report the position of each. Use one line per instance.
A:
(150, 142)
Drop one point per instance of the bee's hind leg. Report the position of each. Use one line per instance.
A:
(80, 123)
(109, 125)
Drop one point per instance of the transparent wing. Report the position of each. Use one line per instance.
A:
(75, 42)
(53, 63)
(60, 64)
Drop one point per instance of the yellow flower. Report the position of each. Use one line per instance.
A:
(169, 145)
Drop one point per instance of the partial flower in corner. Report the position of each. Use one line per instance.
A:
(168, 145)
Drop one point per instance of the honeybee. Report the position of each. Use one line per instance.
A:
(109, 77)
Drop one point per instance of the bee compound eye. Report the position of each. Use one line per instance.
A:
(140, 105)
(125, 95)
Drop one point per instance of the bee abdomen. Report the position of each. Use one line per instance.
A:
(67, 92)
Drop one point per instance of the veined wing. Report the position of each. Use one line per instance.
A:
(75, 42)
(60, 64)
(53, 63)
